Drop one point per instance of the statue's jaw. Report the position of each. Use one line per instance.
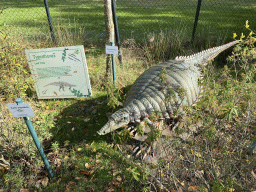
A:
(110, 126)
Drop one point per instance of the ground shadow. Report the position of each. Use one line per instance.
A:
(81, 121)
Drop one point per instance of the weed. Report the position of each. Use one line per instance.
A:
(55, 147)
(15, 79)
(113, 95)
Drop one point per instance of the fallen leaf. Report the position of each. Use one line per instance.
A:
(69, 185)
(201, 172)
(45, 181)
(119, 178)
(193, 188)
(98, 155)
(57, 162)
(110, 189)
(84, 172)
(116, 173)
(98, 161)
(49, 111)
(24, 190)
(253, 174)
(87, 165)
(89, 189)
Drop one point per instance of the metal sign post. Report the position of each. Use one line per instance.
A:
(113, 66)
(36, 140)
(112, 50)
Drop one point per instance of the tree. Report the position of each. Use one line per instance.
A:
(110, 33)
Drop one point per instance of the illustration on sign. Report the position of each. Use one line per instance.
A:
(60, 72)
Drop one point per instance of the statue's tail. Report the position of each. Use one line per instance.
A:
(203, 57)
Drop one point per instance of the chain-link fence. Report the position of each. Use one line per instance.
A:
(135, 17)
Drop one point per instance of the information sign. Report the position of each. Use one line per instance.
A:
(111, 50)
(60, 72)
(20, 110)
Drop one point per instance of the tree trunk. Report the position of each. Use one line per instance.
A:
(110, 34)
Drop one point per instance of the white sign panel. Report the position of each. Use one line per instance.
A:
(20, 110)
(111, 50)
(60, 72)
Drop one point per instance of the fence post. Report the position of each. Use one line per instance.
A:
(116, 31)
(49, 21)
(196, 19)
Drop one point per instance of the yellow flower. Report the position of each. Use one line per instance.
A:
(246, 24)
(198, 155)
(234, 35)
(242, 36)
(250, 34)
(79, 149)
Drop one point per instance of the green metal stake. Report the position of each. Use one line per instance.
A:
(37, 142)
(250, 152)
(113, 65)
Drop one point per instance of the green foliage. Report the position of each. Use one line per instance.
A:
(122, 136)
(154, 135)
(222, 186)
(155, 116)
(162, 76)
(113, 95)
(140, 129)
(105, 168)
(55, 147)
(171, 92)
(244, 56)
(15, 78)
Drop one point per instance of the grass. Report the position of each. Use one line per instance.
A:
(136, 18)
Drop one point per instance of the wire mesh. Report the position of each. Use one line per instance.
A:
(136, 18)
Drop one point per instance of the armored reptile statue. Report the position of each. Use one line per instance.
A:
(148, 93)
